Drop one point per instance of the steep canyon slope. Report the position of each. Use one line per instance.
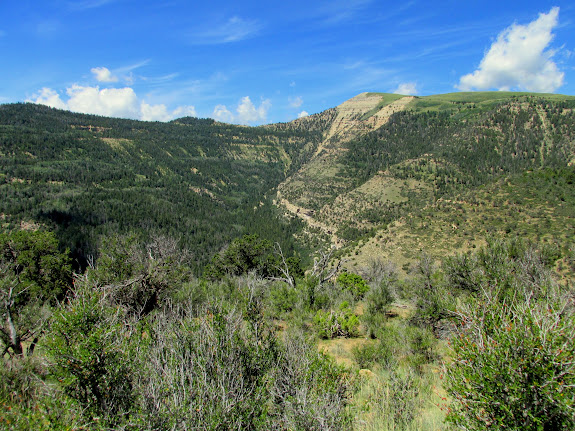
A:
(396, 177)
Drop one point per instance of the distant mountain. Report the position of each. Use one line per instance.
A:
(379, 175)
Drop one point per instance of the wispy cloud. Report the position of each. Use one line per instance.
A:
(364, 75)
(520, 58)
(88, 4)
(295, 102)
(132, 67)
(155, 80)
(233, 30)
(48, 28)
(124, 73)
(343, 10)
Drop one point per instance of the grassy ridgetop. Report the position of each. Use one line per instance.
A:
(481, 98)
(439, 102)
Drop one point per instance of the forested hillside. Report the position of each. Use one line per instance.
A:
(192, 179)
(347, 173)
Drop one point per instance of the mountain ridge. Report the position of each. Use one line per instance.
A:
(355, 175)
(338, 196)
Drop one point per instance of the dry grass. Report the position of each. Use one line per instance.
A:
(341, 349)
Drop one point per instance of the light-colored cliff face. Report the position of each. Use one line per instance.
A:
(318, 180)
(350, 120)
(382, 116)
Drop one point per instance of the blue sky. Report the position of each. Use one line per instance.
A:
(257, 62)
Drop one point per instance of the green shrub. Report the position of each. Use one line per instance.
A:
(284, 298)
(377, 300)
(353, 283)
(34, 276)
(139, 278)
(378, 352)
(27, 402)
(87, 348)
(245, 254)
(336, 323)
(513, 367)
(421, 347)
(404, 401)
(513, 348)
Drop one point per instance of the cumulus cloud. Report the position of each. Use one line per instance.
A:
(103, 74)
(302, 114)
(112, 102)
(109, 102)
(406, 88)
(295, 102)
(49, 97)
(223, 114)
(519, 59)
(161, 113)
(246, 112)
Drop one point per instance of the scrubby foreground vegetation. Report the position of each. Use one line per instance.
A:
(481, 340)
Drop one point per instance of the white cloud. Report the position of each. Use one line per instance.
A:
(184, 111)
(103, 74)
(246, 112)
(519, 59)
(109, 102)
(126, 74)
(161, 113)
(302, 114)
(406, 88)
(223, 114)
(295, 102)
(49, 97)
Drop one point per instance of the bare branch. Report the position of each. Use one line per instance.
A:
(321, 264)
(283, 268)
